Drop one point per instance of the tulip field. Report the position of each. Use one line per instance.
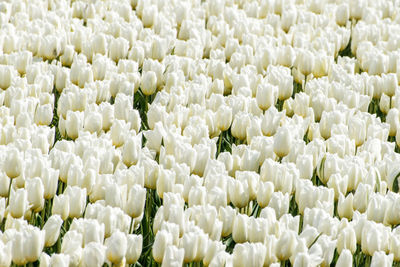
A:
(199, 133)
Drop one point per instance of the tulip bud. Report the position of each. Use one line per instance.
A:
(286, 245)
(6, 76)
(77, 200)
(44, 114)
(347, 240)
(4, 184)
(134, 248)
(240, 228)
(305, 165)
(35, 191)
(14, 165)
(223, 117)
(93, 255)
(5, 253)
(61, 260)
(266, 96)
(33, 243)
(131, 150)
(357, 130)
(162, 240)
(345, 258)
(117, 246)
(227, 215)
(61, 206)
(345, 206)
(282, 142)
(118, 48)
(239, 125)
(148, 84)
(381, 259)
(136, 201)
(52, 229)
(264, 193)
(18, 204)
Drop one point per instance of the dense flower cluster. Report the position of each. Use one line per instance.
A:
(221, 133)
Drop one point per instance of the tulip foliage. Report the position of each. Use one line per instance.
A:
(199, 133)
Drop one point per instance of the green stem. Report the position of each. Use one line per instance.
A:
(42, 215)
(221, 136)
(9, 192)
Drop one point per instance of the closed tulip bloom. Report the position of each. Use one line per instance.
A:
(239, 125)
(267, 95)
(148, 83)
(35, 191)
(162, 240)
(271, 120)
(6, 76)
(61, 260)
(374, 237)
(117, 246)
(173, 256)
(345, 206)
(136, 201)
(14, 163)
(223, 117)
(390, 84)
(73, 123)
(118, 48)
(77, 200)
(282, 141)
(264, 193)
(52, 229)
(134, 248)
(44, 114)
(345, 258)
(227, 216)
(33, 243)
(93, 122)
(131, 150)
(18, 253)
(384, 103)
(342, 14)
(381, 259)
(347, 240)
(49, 179)
(214, 247)
(5, 253)
(393, 119)
(239, 193)
(286, 245)
(61, 206)
(18, 204)
(189, 243)
(240, 228)
(4, 184)
(72, 245)
(93, 255)
(305, 61)
(305, 165)
(357, 130)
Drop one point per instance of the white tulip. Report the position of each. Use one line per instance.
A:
(135, 243)
(117, 246)
(136, 201)
(93, 254)
(77, 200)
(18, 204)
(35, 190)
(345, 258)
(381, 259)
(282, 141)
